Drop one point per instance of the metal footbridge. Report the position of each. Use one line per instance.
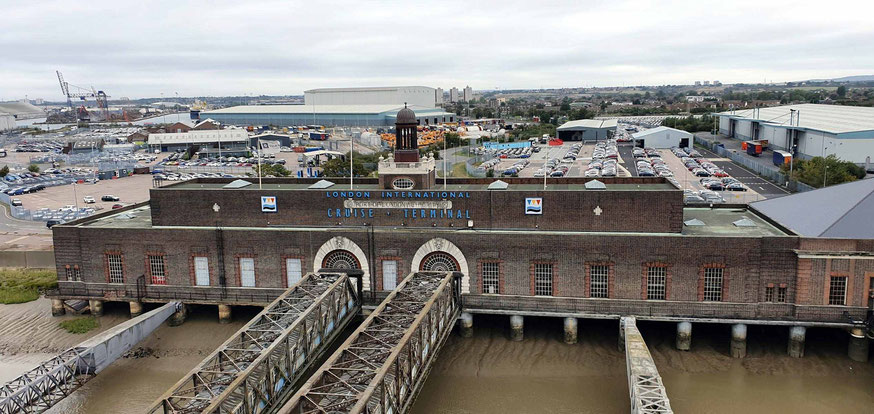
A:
(382, 365)
(44, 386)
(646, 390)
(258, 366)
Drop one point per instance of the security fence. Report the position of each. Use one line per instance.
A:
(764, 170)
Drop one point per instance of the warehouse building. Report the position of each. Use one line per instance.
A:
(231, 141)
(326, 115)
(7, 122)
(244, 241)
(807, 130)
(22, 110)
(419, 96)
(662, 137)
(587, 130)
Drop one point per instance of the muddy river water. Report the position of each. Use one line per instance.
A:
(488, 373)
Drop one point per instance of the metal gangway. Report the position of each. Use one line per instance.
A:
(260, 363)
(44, 386)
(647, 392)
(381, 367)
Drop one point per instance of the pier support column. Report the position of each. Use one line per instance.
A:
(58, 307)
(858, 349)
(136, 309)
(517, 327)
(466, 325)
(738, 340)
(622, 334)
(178, 317)
(570, 330)
(684, 336)
(96, 307)
(224, 312)
(796, 341)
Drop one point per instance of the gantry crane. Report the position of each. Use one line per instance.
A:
(83, 94)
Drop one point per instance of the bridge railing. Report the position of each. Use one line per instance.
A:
(645, 387)
(251, 371)
(383, 364)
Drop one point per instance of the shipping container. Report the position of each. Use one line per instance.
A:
(754, 148)
(782, 158)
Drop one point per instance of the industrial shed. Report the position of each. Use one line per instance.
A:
(662, 137)
(806, 130)
(587, 130)
(326, 115)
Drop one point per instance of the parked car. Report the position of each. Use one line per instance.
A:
(17, 202)
(89, 200)
(735, 186)
(117, 206)
(53, 222)
(109, 197)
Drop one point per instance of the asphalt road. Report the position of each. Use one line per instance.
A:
(628, 160)
(764, 187)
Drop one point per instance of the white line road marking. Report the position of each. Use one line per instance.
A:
(16, 239)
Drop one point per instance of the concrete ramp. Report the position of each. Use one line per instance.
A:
(647, 393)
(44, 386)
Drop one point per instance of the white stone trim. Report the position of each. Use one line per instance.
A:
(343, 243)
(442, 245)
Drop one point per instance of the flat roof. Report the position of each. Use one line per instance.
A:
(836, 119)
(365, 88)
(721, 222)
(660, 129)
(317, 109)
(343, 185)
(588, 123)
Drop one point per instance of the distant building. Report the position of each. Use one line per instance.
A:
(421, 96)
(586, 129)
(663, 137)
(22, 110)
(468, 93)
(7, 121)
(83, 146)
(706, 83)
(717, 83)
(697, 83)
(325, 115)
(700, 98)
(225, 141)
(438, 96)
(453, 95)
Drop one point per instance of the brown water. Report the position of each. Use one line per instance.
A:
(491, 374)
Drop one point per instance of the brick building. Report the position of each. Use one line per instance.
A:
(615, 247)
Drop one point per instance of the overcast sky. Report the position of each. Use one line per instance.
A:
(146, 48)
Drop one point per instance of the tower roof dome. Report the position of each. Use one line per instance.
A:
(406, 116)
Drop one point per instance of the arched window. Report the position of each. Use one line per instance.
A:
(340, 259)
(439, 262)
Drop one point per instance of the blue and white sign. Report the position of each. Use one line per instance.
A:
(268, 204)
(534, 205)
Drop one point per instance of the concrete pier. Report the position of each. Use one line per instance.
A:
(796, 341)
(684, 336)
(517, 327)
(224, 313)
(136, 309)
(858, 348)
(570, 330)
(178, 317)
(58, 307)
(738, 340)
(96, 307)
(466, 325)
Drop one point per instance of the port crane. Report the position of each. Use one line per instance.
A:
(83, 94)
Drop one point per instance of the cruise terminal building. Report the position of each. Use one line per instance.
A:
(577, 248)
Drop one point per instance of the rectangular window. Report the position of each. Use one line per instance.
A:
(293, 271)
(77, 273)
(713, 284)
(156, 270)
(781, 294)
(491, 276)
(837, 290)
(656, 278)
(543, 279)
(247, 272)
(598, 281)
(201, 271)
(68, 271)
(389, 274)
(769, 294)
(115, 265)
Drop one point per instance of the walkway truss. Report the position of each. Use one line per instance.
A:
(383, 364)
(259, 365)
(645, 385)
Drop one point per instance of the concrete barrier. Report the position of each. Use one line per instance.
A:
(34, 259)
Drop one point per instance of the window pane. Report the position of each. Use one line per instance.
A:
(781, 294)
(389, 274)
(543, 279)
(293, 271)
(656, 278)
(491, 277)
(201, 271)
(156, 269)
(116, 268)
(837, 292)
(247, 272)
(713, 284)
(769, 294)
(598, 281)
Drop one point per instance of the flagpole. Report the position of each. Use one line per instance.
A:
(351, 149)
(259, 163)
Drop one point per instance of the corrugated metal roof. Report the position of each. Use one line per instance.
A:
(588, 123)
(366, 88)
(836, 119)
(318, 109)
(660, 129)
(842, 211)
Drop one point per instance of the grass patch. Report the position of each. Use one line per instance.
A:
(25, 285)
(458, 170)
(80, 325)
